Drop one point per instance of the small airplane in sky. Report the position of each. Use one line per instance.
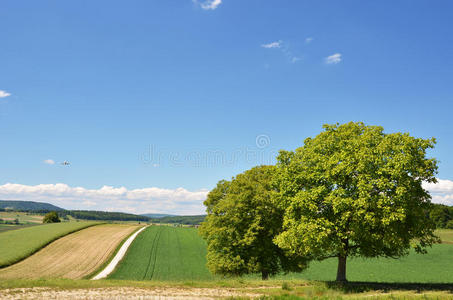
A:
(65, 163)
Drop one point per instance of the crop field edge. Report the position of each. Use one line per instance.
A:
(46, 244)
(107, 261)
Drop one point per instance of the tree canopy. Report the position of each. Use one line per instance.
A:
(241, 223)
(354, 190)
(51, 217)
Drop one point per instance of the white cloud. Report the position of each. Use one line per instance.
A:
(308, 40)
(4, 94)
(277, 44)
(333, 59)
(208, 4)
(284, 48)
(139, 201)
(49, 161)
(441, 192)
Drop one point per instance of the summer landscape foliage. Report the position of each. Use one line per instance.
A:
(352, 190)
(51, 217)
(241, 224)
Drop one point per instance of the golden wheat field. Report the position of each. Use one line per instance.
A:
(73, 256)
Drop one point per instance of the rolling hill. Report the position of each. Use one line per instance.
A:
(17, 205)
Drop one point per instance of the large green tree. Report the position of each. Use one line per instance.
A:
(354, 190)
(241, 223)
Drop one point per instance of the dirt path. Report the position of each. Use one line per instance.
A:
(118, 257)
(123, 293)
(73, 256)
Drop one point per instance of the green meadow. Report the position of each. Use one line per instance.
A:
(164, 253)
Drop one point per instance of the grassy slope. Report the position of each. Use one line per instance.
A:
(16, 245)
(165, 253)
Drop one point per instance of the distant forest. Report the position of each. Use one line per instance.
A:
(185, 220)
(442, 215)
(41, 207)
(102, 215)
(28, 206)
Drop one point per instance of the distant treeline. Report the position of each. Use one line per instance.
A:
(102, 215)
(185, 220)
(442, 216)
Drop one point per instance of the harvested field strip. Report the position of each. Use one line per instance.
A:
(165, 253)
(15, 245)
(73, 256)
(110, 265)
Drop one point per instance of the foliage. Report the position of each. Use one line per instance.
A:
(103, 215)
(441, 215)
(449, 224)
(355, 191)
(241, 224)
(185, 220)
(16, 245)
(51, 217)
(165, 253)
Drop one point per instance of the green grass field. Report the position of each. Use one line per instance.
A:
(165, 253)
(7, 227)
(178, 254)
(16, 245)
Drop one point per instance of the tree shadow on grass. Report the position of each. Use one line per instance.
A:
(360, 287)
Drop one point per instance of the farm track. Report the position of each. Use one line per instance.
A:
(168, 293)
(73, 256)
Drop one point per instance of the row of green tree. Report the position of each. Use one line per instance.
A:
(352, 190)
(442, 216)
(184, 220)
(102, 215)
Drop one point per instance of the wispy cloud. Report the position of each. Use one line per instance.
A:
(277, 44)
(4, 94)
(208, 4)
(308, 40)
(333, 59)
(49, 161)
(151, 199)
(441, 192)
(284, 48)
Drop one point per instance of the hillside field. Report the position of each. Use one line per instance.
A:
(165, 253)
(179, 254)
(16, 245)
(22, 217)
(73, 256)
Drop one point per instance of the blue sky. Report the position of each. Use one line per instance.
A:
(173, 96)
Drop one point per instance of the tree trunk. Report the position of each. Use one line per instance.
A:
(341, 271)
(264, 275)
